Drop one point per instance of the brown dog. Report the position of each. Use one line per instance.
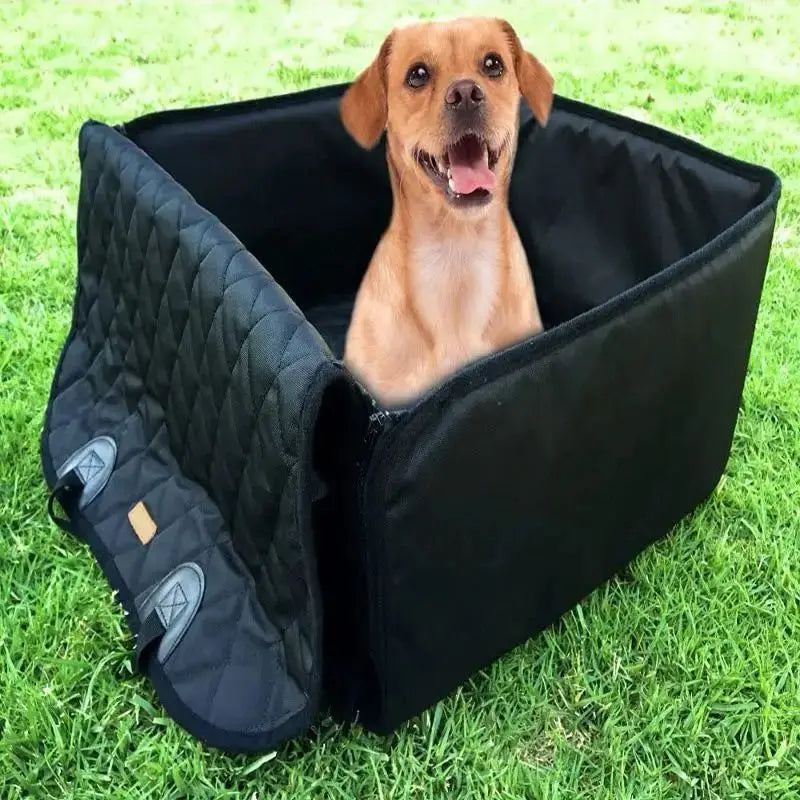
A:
(449, 280)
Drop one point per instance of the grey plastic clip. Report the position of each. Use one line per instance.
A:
(93, 464)
(174, 600)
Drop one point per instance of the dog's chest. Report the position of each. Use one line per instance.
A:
(455, 287)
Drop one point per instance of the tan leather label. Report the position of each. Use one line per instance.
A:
(142, 523)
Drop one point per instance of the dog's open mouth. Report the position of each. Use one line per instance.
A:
(464, 171)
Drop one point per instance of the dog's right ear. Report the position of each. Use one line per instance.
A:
(364, 105)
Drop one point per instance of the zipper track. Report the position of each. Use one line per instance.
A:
(378, 423)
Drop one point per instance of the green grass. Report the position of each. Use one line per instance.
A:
(680, 680)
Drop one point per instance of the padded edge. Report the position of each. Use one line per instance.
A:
(334, 91)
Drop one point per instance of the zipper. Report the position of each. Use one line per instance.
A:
(378, 422)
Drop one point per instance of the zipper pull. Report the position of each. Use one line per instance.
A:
(375, 424)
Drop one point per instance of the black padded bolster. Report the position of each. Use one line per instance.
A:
(189, 357)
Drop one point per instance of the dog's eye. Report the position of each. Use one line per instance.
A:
(492, 65)
(418, 76)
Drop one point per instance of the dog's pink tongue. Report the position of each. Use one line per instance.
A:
(469, 169)
(469, 177)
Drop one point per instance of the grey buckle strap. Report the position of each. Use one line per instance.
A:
(166, 611)
(81, 478)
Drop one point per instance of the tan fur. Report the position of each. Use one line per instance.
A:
(445, 285)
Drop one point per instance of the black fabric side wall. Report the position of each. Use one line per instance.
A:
(305, 199)
(495, 510)
(601, 203)
(600, 211)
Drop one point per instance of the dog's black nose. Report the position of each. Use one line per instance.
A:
(463, 95)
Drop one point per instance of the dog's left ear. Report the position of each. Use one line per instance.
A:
(535, 81)
(364, 106)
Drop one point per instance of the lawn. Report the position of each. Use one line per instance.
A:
(680, 681)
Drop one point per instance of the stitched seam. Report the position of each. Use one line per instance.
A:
(104, 254)
(212, 695)
(257, 416)
(119, 301)
(204, 350)
(163, 299)
(236, 363)
(203, 359)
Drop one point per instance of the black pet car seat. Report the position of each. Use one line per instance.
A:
(277, 539)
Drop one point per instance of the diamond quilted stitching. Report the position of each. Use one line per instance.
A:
(131, 241)
(100, 350)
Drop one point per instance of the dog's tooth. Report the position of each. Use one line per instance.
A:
(451, 184)
(449, 173)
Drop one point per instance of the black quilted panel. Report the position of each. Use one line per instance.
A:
(203, 370)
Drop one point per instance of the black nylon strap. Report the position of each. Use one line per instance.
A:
(148, 637)
(66, 490)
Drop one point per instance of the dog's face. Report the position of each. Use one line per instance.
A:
(447, 94)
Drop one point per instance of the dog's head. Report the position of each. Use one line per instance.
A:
(447, 94)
